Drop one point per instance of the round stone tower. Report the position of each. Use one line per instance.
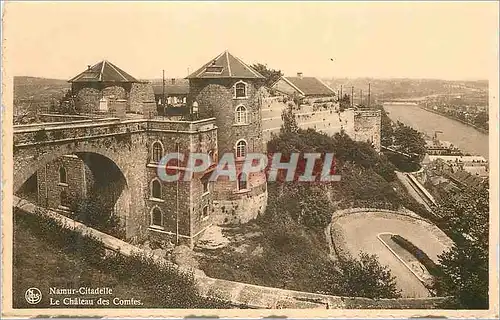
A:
(231, 91)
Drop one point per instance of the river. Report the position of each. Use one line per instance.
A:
(468, 139)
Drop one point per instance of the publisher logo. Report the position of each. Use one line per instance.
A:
(33, 296)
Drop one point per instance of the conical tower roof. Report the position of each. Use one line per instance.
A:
(225, 65)
(103, 71)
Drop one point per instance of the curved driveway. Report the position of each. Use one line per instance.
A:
(360, 232)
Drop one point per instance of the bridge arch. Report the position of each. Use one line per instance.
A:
(28, 160)
(112, 172)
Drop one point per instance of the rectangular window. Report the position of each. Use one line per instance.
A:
(204, 181)
(240, 90)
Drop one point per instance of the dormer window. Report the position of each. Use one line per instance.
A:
(240, 90)
(213, 68)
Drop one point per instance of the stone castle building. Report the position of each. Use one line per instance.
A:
(231, 114)
(102, 84)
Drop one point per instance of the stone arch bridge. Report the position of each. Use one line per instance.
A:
(123, 143)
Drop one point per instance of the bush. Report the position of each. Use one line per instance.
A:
(306, 204)
(95, 212)
(169, 285)
(359, 277)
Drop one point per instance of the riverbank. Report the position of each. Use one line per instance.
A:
(453, 118)
(465, 137)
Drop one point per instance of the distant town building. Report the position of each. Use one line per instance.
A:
(175, 91)
(440, 147)
(303, 87)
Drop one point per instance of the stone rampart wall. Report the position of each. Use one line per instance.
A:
(326, 117)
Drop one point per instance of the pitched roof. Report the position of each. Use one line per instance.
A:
(467, 179)
(225, 65)
(309, 86)
(171, 89)
(103, 71)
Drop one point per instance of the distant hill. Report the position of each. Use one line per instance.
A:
(408, 88)
(33, 88)
(32, 94)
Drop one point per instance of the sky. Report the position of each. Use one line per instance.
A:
(446, 40)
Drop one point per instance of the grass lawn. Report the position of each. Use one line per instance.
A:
(41, 264)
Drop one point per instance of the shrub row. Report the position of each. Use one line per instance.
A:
(423, 258)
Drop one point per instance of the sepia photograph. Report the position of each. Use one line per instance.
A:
(250, 159)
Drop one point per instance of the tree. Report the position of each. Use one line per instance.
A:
(294, 259)
(465, 266)
(289, 124)
(386, 130)
(409, 140)
(344, 102)
(94, 211)
(292, 139)
(271, 75)
(307, 204)
(363, 277)
(481, 120)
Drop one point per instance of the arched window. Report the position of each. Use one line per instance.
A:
(62, 175)
(241, 149)
(156, 189)
(204, 213)
(242, 181)
(211, 156)
(240, 90)
(241, 115)
(157, 150)
(64, 199)
(156, 217)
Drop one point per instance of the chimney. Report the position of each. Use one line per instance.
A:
(172, 80)
(299, 74)
(88, 66)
